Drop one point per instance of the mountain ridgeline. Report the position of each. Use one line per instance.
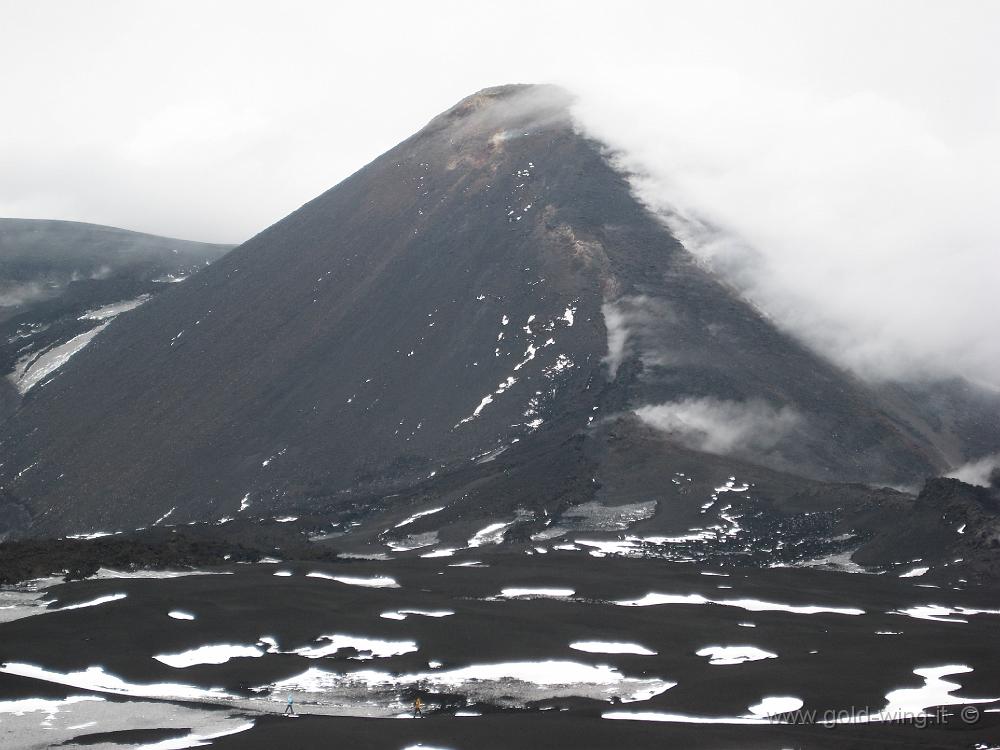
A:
(62, 281)
(41, 260)
(484, 312)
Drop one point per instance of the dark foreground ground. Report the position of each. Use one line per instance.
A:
(578, 730)
(831, 661)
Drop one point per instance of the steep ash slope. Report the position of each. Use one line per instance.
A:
(457, 295)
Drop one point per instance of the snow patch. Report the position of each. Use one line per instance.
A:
(536, 593)
(734, 654)
(367, 648)
(751, 605)
(376, 582)
(218, 653)
(909, 703)
(92, 602)
(164, 517)
(114, 309)
(32, 373)
(443, 552)
(402, 614)
(611, 647)
(765, 712)
(557, 677)
(492, 534)
(197, 740)
(415, 516)
(96, 679)
(48, 706)
(940, 613)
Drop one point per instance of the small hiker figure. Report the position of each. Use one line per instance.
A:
(289, 709)
(418, 706)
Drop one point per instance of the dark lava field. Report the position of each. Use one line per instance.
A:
(505, 649)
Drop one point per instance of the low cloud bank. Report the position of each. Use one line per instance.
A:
(723, 427)
(984, 472)
(15, 294)
(860, 220)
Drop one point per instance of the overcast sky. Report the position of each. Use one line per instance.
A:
(847, 155)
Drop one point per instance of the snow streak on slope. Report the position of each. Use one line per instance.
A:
(33, 372)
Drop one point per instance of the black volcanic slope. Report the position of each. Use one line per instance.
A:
(451, 300)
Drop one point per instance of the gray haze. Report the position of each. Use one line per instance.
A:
(838, 161)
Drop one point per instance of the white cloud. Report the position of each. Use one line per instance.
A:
(633, 324)
(616, 323)
(723, 427)
(849, 218)
(978, 472)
